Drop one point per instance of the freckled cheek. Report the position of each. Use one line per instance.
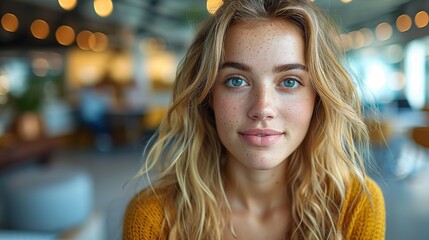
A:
(227, 113)
(300, 112)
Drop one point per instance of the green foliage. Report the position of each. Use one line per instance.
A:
(32, 98)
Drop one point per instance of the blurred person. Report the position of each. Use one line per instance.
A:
(265, 137)
(94, 104)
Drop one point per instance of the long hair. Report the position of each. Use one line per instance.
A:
(189, 153)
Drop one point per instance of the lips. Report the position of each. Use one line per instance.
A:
(261, 137)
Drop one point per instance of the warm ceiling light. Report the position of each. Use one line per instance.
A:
(346, 1)
(358, 39)
(383, 31)
(40, 29)
(65, 35)
(367, 35)
(403, 23)
(98, 42)
(9, 22)
(82, 39)
(67, 4)
(103, 8)
(346, 41)
(213, 5)
(421, 19)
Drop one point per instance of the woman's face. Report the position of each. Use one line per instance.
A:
(263, 99)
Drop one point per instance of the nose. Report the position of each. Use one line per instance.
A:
(262, 104)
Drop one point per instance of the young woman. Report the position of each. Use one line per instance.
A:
(264, 137)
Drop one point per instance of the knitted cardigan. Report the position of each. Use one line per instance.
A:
(360, 218)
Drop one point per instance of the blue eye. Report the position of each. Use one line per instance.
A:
(289, 83)
(235, 82)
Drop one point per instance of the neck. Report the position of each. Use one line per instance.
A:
(255, 190)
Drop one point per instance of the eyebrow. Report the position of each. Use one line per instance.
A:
(236, 65)
(287, 67)
(277, 69)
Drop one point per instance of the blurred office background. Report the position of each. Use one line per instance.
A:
(84, 83)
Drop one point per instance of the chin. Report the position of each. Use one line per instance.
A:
(264, 164)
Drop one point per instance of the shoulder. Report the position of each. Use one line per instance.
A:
(374, 191)
(355, 192)
(144, 216)
(363, 213)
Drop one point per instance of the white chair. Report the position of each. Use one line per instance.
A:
(48, 199)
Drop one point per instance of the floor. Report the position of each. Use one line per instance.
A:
(405, 186)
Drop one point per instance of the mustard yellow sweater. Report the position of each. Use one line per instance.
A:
(359, 219)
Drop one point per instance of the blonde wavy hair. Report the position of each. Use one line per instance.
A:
(188, 154)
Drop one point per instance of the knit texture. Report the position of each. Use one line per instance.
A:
(361, 218)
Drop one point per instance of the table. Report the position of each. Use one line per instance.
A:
(22, 151)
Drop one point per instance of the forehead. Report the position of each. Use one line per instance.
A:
(269, 24)
(275, 39)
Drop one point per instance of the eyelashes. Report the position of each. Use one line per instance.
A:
(290, 83)
(237, 81)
